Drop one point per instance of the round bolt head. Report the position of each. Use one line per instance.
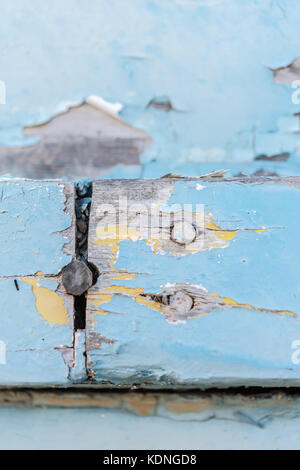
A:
(77, 278)
(181, 302)
(183, 233)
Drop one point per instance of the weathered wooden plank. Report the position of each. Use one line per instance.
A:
(37, 237)
(182, 405)
(221, 310)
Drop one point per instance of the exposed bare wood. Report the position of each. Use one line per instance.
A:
(81, 142)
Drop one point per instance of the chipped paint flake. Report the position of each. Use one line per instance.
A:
(287, 74)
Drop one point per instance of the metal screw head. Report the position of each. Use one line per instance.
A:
(183, 232)
(77, 278)
(181, 302)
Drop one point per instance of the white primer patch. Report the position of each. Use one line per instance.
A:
(112, 109)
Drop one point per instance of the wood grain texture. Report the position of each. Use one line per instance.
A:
(241, 272)
(37, 237)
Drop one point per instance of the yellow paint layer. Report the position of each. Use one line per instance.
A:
(222, 235)
(137, 294)
(109, 235)
(233, 303)
(48, 303)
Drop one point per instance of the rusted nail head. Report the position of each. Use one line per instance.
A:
(77, 278)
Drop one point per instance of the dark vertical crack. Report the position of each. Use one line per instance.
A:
(84, 190)
(79, 312)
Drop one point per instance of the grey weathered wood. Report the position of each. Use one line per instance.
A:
(81, 142)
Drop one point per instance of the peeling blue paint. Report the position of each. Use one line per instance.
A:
(211, 60)
(32, 220)
(256, 268)
(31, 357)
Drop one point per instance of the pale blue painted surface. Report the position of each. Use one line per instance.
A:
(31, 357)
(32, 219)
(102, 429)
(210, 59)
